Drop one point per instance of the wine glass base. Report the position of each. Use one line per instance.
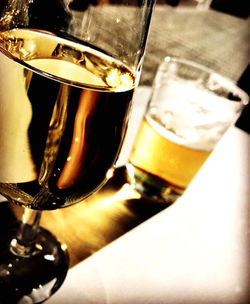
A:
(35, 278)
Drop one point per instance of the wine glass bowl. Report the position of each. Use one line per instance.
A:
(75, 137)
(87, 76)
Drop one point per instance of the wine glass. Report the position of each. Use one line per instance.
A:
(68, 70)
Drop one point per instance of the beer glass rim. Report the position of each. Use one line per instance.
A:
(235, 88)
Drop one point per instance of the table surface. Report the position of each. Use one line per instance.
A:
(195, 251)
(127, 250)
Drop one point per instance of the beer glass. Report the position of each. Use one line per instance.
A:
(68, 70)
(190, 108)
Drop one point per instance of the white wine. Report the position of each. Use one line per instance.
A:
(63, 116)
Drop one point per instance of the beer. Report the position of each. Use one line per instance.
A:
(63, 116)
(189, 111)
(155, 154)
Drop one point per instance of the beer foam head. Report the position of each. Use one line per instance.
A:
(189, 115)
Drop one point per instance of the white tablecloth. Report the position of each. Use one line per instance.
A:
(194, 252)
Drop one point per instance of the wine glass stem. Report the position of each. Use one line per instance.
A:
(24, 243)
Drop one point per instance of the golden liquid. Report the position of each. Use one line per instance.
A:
(63, 117)
(157, 155)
